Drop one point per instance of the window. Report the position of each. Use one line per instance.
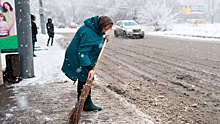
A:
(130, 24)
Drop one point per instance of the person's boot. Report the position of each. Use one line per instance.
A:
(89, 106)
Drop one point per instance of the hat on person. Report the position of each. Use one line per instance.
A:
(49, 20)
(103, 21)
(32, 17)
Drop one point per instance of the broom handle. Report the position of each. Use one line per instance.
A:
(75, 114)
(100, 54)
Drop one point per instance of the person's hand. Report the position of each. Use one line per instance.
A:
(107, 37)
(91, 74)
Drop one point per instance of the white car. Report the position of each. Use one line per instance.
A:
(128, 28)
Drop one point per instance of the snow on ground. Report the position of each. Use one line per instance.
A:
(202, 32)
(50, 58)
(63, 30)
(47, 66)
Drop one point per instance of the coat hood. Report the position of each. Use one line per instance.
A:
(93, 24)
(49, 20)
(32, 17)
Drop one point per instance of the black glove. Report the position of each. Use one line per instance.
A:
(89, 67)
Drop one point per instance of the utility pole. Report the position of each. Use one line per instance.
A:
(209, 14)
(213, 11)
(134, 13)
(41, 12)
(25, 46)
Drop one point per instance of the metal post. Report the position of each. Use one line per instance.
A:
(209, 13)
(41, 12)
(24, 35)
(213, 11)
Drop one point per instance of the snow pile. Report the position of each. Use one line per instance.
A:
(203, 31)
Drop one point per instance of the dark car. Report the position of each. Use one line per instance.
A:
(128, 28)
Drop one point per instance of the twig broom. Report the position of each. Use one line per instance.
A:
(75, 113)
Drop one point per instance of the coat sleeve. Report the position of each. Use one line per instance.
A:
(47, 27)
(52, 27)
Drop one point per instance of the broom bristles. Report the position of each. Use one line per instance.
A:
(76, 112)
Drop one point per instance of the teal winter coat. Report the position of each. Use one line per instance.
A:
(83, 50)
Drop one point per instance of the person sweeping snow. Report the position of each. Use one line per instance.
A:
(82, 53)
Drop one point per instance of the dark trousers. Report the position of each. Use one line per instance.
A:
(49, 41)
(80, 87)
(33, 46)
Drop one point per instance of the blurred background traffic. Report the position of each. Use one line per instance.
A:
(157, 16)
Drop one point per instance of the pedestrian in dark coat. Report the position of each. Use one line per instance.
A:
(83, 51)
(50, 31)
(34, 32)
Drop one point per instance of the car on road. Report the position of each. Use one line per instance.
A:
(73, 25)
(128, 28)
(61, 25)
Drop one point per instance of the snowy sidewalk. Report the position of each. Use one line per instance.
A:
(50, 95)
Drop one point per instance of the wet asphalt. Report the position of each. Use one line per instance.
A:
(6, 100)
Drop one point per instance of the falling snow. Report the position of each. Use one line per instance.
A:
(50, 95)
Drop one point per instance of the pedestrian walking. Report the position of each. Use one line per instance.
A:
(82, 53)
(50, 31)
(34, 32)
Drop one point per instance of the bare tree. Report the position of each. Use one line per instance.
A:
(149, 12)
(160, 15)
